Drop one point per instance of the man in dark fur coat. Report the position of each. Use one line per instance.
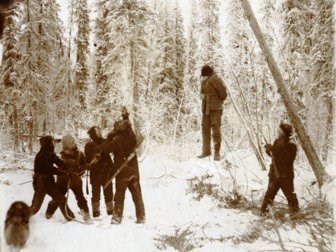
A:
(43, 179)
(281, 174)
(122, 142)
(75, 166)
(213, 93)
(100, 171)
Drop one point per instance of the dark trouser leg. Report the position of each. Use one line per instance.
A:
(206, 135)
(81, 201)
(59, 197)
(39, 193)
(51, 209)
(62, 185)
(121, 185)
(287, 187)
(108, 195)
(95, 199)
(37, 201)
(216, 117)
(135, 190)
(272, 190)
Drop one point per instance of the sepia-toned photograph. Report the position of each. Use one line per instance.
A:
(167, 125)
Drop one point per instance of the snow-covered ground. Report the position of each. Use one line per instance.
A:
(174, 219)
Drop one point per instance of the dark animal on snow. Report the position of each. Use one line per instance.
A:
(17, 224)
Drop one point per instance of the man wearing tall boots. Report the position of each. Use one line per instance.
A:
(100, 171)
(281, 174)
(213, 94)
(75, 168)
(43, 179)
(122, 143)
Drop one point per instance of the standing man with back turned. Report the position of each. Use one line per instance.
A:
(213, 94)
(281, 174)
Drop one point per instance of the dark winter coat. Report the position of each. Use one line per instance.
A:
(44, 169)
(75, 165)
(122, 145)
(283, 153)
(101, 170)
(44, 163)
(213, 93)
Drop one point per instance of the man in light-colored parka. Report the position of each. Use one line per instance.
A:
(213, 94)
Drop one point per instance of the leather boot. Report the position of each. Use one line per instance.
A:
(52, 207)
(140, 211)
(109, 207)
(85, 214)
(117, 213)
(204, 155)
(95, 209)
(294, 204)
(206, 142)
(217, 151)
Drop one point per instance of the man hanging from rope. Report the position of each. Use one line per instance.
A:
(213, 94)
(281, 174)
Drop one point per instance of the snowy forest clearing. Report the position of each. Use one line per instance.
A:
(148, 56)
(182, 214)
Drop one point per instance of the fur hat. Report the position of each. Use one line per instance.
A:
(122, 125)
(206, 70)
(47, 143)
(287, 129)
(68, 142)
(124, 113)
(94, 132)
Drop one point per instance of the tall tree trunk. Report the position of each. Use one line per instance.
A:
(16, 128)
(31, 112)
(329, 128)
(307, 146)
(135, 89)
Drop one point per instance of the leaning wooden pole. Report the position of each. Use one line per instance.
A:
(306, 144)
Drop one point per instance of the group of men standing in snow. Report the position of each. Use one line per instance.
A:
(96, 159)
(283, 151)
(122, 142)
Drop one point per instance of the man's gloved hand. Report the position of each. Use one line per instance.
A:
(62, 171)
(111, 135)
(95, 159)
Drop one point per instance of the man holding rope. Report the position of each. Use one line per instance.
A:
(281, 174)
(75, 167)
(43, 178)
(122, 142)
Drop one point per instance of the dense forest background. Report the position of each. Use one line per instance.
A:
(147, 55)
(67, 65)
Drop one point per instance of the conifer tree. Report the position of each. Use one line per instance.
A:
(39, 46)
(295, 41)
(103, 87)
(128, 46)
(9, 83)
(321, 111)
(193, 66)
(211, 35)
(82, 48)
